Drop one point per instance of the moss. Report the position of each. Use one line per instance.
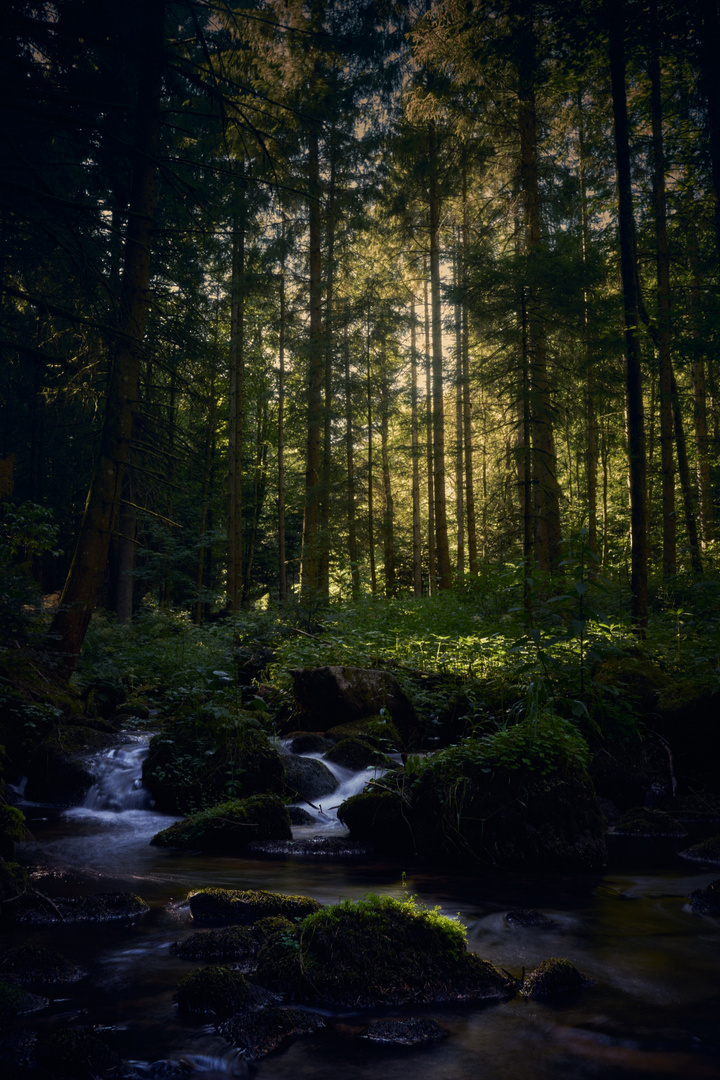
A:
(258, 1033)
(378, 951)
(230, 826)
(308, 778)
(218, 991)
(76, 1055)
(555, 977)
(34, 964)
(247, 906)
(355, 754)
(380, 817)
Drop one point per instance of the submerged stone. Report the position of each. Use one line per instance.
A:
(73, 1054)
(225, 944)
(555, 977)
(29, 964)
(256, 1034)
(413, 1032)
(246, 906)
(313, 847)
(528, 917)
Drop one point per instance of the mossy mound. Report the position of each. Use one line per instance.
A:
(644, 821)
(219, 991)
(378, 951)
(229, 826)
(706, 901)
(260, 1032)
(16, 1002)
(554, 978)
(707, 851)
(12, 828)
(380, 817)
(308, 779)
(215, 946)
(32, 964)
(246, 906)
(308, 742)
(355, 754)
(76, 1055)
(187, 767)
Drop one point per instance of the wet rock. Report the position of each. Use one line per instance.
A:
(32, 964)
(299, 816)
(381, 818)
(378, 951)
(219, 991)
(56, 777)
(308, 779)
(706, 901)
(73, 1054)
(38, 910)
(644, 821)
(413, 1032)
(528, 917)
(309, 742)
(256, 1034)
(15, 1002)
(554, 978)
(216, 946)
(314, 847)
(707, 851)
(246, 906)
(230, 826)
(336, 695)
(355, 754)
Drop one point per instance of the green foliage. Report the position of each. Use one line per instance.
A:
(26, 530)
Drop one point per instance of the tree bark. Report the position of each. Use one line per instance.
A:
(615, 12)
(415, 443)
(388, 522)
(353, 549)
(282, 553)
(68, 627)
(236, 404)
(432, 571)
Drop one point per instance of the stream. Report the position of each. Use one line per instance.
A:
(653, 1009)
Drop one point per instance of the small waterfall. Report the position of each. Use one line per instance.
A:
(119, 780)
(349, 783)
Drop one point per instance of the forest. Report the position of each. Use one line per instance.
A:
(359, 488)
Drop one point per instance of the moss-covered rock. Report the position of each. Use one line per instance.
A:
(707, 851)
(12, 829)
(327, 696)
(413, 1032)
(308, 742)
(380, 817)
(246, 906)
(644, 821)
(300, 816)
(217, 946)
(219, 991)
(72, 1054)
(379, 951)
(307, 778)
(356, 754)
(32, 964)
(554, 978)
(15, 1002)
(187, 767)
(37, 910)
(258, 1033)
(56, 777)
(230, 826)
(706, 901)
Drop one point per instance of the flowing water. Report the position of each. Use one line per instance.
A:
(653, 1009)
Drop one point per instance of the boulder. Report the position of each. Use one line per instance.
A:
(219, 991)
(529, 917)
(313, 847)
(644, 821)
(707, 851)
(257, 1033)
(381, 818)
(554, 978)
(355, 754)
(56, 777)
(246, 906)
(307, 778)
(413, 1032)
(31, 965)
(37, 910)
(706, 901)
(378, 951)
(327, 696)
(308, 742)
(230, 826)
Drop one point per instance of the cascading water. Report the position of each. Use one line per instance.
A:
(119, 780)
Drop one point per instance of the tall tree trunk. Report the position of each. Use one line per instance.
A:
(236, 402)
(667, 462)
(310, 584)
(442, 548)
(591, 454)
(353, 548)
(370, 470)
(282, 553)
(324, 568)
(546, 495)
(615, 12)
(207, 476)
(388, 522)
(710, 80)
(68, 627)
(685, 485)
(415, 443)
(467, 398)
(432, 570)
(459, 442)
